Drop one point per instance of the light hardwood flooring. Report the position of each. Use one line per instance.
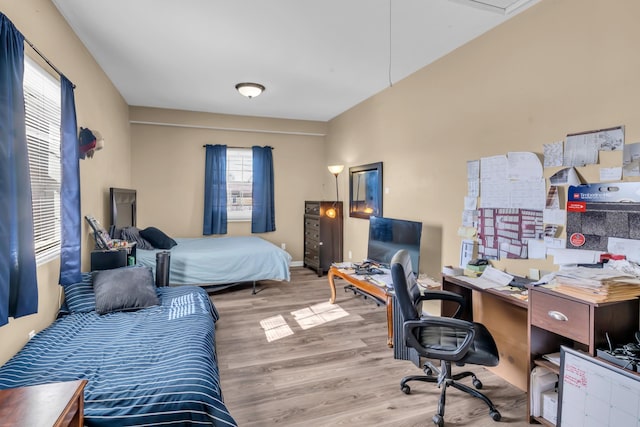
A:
(340, 373)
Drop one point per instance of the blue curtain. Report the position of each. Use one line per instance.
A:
(215, 190)
(263, 217)
(70, 189)
(18, 281)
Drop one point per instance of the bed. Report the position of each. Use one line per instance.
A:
(221, 261)
(153, 366)
(212, 262)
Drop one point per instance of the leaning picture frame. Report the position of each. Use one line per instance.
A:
(99, 233)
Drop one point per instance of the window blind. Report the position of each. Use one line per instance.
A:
(42, 119)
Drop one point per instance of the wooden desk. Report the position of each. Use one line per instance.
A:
(368, 288)
(46, 405)
(505, 316)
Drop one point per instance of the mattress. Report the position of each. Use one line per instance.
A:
(155, 366)
(221, 260)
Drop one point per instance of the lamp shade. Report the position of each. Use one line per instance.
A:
(250, 90)
(335, 169)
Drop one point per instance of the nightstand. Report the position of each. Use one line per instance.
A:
(55, 404)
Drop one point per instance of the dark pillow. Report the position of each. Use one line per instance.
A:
(132, 234)
(124, 289)
(157, 238)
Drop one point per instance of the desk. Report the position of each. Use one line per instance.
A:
(506, 318)
(55, 404)
(368, 288)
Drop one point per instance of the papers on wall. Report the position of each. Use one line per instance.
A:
(553, 199)
(504, 232)
(536, 249)
(518, 172)
(566, 176)
(582, 148)
(467, 252)
(553, 154)
(473, 178)
(611, 174)
(631, 159)
(554, 216)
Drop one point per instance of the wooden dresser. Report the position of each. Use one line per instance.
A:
(323, 228)
(55, 404)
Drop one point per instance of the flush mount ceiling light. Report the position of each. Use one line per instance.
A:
(250, 90)
(504, 7)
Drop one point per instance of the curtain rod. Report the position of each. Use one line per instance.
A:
(45, 59)
(231, 146)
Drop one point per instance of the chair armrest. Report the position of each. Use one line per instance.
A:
(412, 329)
(446, 296)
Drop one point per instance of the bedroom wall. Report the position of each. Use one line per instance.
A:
(168, 172)
(98, 106)
(560, 67)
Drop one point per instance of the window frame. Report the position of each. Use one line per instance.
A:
(243, 156)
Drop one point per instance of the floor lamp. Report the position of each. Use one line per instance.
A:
(335, 170)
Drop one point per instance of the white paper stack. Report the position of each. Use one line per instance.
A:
(541, 380)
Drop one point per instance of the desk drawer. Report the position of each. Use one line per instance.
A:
(560, 315)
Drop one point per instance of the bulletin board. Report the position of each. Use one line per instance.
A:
(595, 393)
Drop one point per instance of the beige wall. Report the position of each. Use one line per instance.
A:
(560, 67)
(98, 106)
(168, 171)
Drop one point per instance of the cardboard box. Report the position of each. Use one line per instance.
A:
(550, 405)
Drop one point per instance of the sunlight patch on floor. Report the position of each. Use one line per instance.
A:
(276, 327)
(318, 314)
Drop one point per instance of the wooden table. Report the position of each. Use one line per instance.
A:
(46, 405)
(369, 288)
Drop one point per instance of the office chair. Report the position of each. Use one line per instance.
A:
(446, 339)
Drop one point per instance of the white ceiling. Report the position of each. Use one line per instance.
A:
(317, 58)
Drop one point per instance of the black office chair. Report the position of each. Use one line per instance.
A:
(446, 339)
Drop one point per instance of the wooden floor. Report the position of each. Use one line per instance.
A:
(340, 373)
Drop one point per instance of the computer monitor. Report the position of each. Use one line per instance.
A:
(388, 235)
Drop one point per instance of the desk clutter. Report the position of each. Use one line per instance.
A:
(617, 280)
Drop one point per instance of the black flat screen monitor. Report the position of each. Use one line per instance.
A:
(387, 236)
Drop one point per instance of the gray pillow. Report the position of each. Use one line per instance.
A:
(132, 234)
(124, 289)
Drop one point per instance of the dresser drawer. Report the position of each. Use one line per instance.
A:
(560, 315)
(311, 229)
(312, 208)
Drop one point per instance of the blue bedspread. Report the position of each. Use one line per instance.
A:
(222, 260)
(153, 366)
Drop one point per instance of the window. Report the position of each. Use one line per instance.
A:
(239, 182)
(42, 119)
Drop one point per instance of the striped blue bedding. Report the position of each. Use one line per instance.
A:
(155, 366)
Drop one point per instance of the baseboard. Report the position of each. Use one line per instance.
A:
(296, 264)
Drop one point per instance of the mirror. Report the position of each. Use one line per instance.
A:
(365, 190)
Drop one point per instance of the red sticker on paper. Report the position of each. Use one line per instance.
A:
(577, 239)
(576, 206)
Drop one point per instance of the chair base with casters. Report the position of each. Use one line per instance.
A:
(450, 340)
(444, 378)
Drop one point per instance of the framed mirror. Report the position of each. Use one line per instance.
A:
(365, 190)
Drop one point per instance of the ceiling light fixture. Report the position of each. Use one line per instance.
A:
(250, 90)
